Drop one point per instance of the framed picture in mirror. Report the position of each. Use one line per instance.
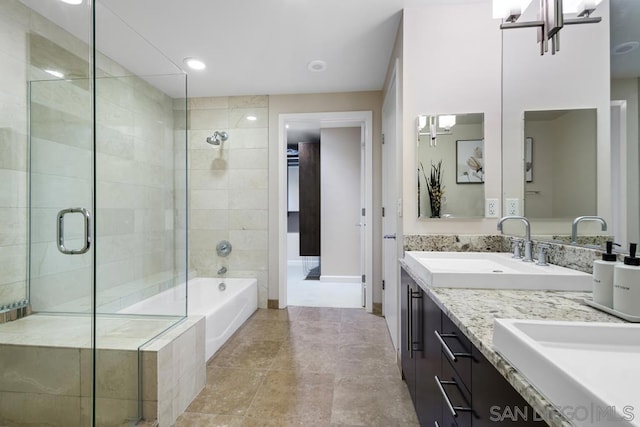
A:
(528, 159)
(470, 161)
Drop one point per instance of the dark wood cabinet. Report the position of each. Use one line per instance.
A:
(451, 383)
(420, 354)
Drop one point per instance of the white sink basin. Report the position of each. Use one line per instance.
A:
(589, 371)
(491, 270)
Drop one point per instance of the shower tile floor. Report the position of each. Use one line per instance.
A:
(304, 366)
(316, 293)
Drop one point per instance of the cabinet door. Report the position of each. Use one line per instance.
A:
(495, 400)
(428, 365)
(406, 356)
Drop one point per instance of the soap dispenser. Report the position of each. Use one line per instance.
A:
(626, 284)
(603, 277)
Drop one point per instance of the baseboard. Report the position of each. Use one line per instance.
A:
(377, 308)
(273, 303)
(341, 279)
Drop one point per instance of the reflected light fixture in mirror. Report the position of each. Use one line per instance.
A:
(446, 122)
(551, 18)
(427, 126)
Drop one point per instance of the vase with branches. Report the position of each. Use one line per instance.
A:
(435, 187)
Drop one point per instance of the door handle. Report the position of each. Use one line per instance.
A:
(390, 236)
(87, 231)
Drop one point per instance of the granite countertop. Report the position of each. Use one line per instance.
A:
(473, 311)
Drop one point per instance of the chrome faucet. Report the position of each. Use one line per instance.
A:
(527, 238)
(578, 220)
(222, 270)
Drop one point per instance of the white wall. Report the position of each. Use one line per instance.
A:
(340, 203)
(451, 64)
(575, 77)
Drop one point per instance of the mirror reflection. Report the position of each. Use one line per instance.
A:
(450, 165)
(560, 163)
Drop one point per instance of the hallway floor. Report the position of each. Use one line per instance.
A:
(304, 366)
(316, 293)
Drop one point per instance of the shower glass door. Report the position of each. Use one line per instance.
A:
(53, 366)
(107, 220)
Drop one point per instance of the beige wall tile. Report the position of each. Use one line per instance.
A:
(214, 102)
(208, 219)
(116, 374)
(250, 101)
(39, 409)
(247, 219)
(209, 199)
(238, 117)
(252, 240)
(251, 158)
(248, 138)
(211, 120)
(45, 370)
(248, 199)
(249, 179)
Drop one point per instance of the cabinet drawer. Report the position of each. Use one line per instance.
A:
(456, 349)
(455, 398)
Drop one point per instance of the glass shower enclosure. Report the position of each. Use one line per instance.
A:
(105, 214)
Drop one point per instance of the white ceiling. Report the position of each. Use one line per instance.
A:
(263, 46)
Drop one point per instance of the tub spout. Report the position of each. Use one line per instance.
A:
(222, 270)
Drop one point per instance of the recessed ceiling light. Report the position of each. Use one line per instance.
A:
(55, 73)
(624, 48)
(73, 1)
(317, 66)
(252, 118)
(195, 64)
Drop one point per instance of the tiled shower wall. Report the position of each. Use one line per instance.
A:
(138, 168)
(16, 22)
(228, 187)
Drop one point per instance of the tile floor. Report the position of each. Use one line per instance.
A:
(304, 366)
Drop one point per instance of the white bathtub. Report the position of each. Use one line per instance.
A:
(225, 311)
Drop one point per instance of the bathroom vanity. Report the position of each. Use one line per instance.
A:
(454, 375)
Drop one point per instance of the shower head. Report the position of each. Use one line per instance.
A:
(217, 137)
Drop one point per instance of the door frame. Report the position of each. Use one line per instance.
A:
(392, 98)
(362, 119)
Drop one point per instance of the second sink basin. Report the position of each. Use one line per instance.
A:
(589, 371)
(491, 270)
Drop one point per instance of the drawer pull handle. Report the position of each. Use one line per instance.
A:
(452, 409)
(450, 354)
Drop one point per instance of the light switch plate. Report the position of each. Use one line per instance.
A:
(492, 208)
(513, 207)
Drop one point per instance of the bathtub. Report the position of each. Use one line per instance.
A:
(224, 311)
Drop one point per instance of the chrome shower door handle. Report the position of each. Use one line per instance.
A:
(87, 231)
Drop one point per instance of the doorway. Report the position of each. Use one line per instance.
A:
(359, 216)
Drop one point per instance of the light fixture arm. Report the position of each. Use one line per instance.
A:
(553, 20)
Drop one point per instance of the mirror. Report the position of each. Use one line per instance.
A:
(450, 165)
(553, 91)
(560, 150)
(625, 93)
